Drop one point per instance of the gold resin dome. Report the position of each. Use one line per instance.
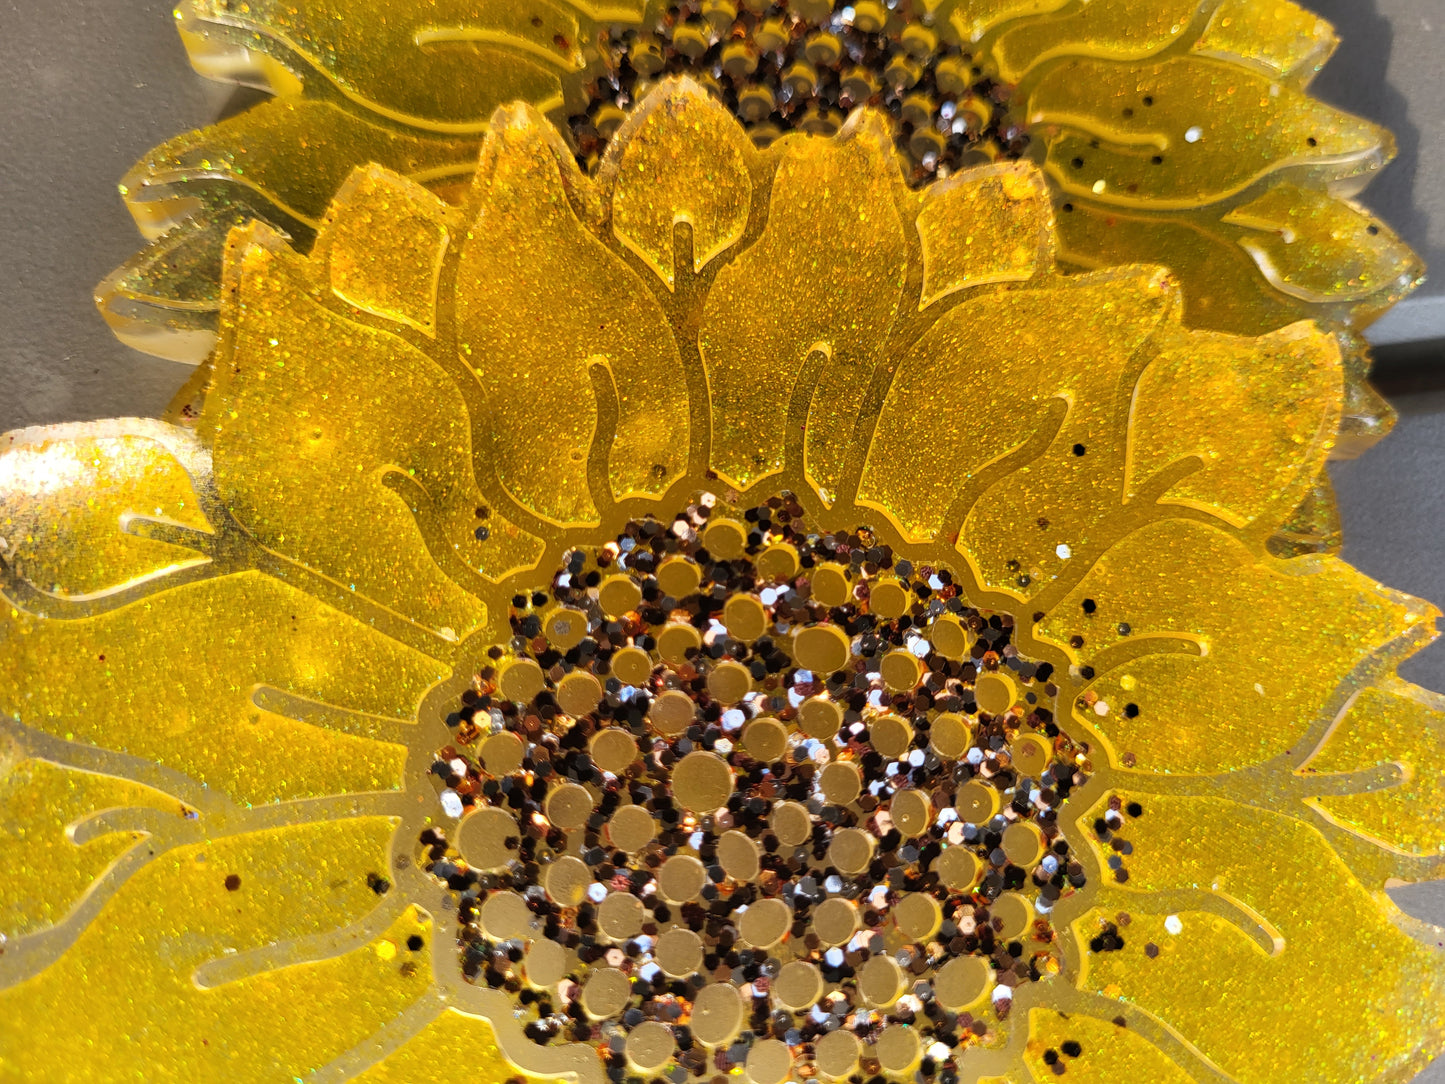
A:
(734, 617)
(1172, 132)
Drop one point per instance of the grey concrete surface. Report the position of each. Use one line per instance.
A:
(1389, 69)
(87, 86)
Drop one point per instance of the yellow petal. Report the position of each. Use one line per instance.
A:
(1190, 647)
(289, 155)
(677, 139)
(1278, 36)
(1396, 725)
(1240, 278)
(163, 300)
(397, 281)
(241, 682)
(970, 20)
(544, 309)
(1004, 217)
(1189, 130)
(76, 508)
(1189, 403)
(1314, 525)
(1014, 347)
(63, 830)
(456, 1030)
(1325, 251)
(824, 279)
(1121, 30)
(444, 65)
(1110, 1052)
(1267, 917)
(299, 889)
(333, 439)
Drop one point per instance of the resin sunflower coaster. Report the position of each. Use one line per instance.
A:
(737, 618)
(1174, 132)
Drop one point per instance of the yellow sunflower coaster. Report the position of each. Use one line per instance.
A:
(1173, 132)
(739, 618)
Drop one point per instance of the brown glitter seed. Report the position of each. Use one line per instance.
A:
(822, 649)
(851, 850)
(483, 836)
(958, 869)
(568, 806)
(961, 983)
(729, 682)
(995, 693)
(841, 782)
(765, 923)
(672, 713)
(650, 1046)
(725, 539)
(502, 753)
(898, 1049)
(612, 750)
(791, 823)
(765, 739)
(976, 802)
(631, 828)
(520, 680)
(702, 782)
(820, 718)
(717, 1014)
(836, 1054)
(798, 986)
(678, 577)
(950, 735)
(830, 586)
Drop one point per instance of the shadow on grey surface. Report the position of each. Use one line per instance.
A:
(1353, 81)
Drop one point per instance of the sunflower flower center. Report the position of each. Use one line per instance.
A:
(734, 788)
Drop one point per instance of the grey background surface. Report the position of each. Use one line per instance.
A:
(88, 86)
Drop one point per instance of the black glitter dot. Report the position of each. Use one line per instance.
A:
(233, 882)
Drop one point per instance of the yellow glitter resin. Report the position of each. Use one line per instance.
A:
(227, 652)
(1172, 132)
